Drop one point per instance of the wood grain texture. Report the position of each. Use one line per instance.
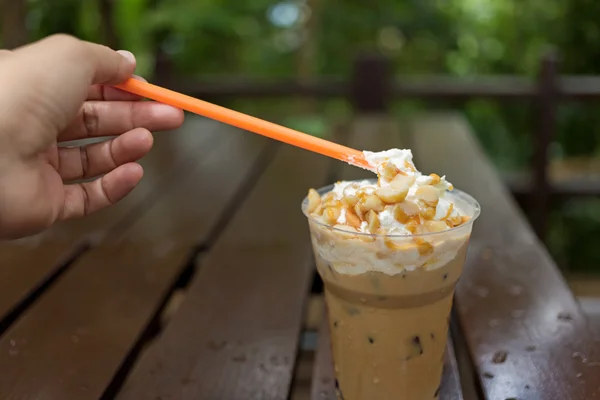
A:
(527, 335)
(189, 209)
(173, 156)
(27, 263)
(70, 344)
(25, 266)
(450, 389)
(236, 334)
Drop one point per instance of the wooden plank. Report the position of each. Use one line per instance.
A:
(191, 209)
(70, 343)
(174, 153)
(29, 262)
(236, 334)
(25, 267)
(450, 389)
(512, 300)
(373, 133)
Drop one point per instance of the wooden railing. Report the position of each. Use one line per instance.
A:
(372, 87)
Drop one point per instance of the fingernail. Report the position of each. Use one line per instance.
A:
(128, 55)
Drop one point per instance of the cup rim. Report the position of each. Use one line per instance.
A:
(455, 192)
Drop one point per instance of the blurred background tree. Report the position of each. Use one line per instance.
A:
(310, 39)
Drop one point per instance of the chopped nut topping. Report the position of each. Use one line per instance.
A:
(332, 204)
(428, 194)
(425, 248)
(331, 215)
(314, 200)
(390, 244)
(371, 202)
(404, 212)
(400, 215)
(435, 179)
(391, 195)
(353, 186)
(402, 181)
(409, 200)
(319, 210)
(389, 171)
(412, 226)
(345, 228)
(429, 213)
(352, 219)
(373, 220)
(350, 200)
(328, 196)
(435, 226)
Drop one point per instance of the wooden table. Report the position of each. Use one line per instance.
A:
(217, 218)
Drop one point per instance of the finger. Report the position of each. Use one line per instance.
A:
(96, 64)
(99, 158)
(109, 93)
(48, 81)
(106, 118)
(85, 198)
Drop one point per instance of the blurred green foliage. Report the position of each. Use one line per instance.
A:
(275, 38)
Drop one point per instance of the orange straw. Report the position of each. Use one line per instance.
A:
(246, 122)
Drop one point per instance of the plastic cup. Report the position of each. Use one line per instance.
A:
(388, 303)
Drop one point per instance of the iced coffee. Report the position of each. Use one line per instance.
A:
(390, 251)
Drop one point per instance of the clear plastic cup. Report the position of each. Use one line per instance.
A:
(388, 301)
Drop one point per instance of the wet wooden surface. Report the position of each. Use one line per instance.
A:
(217, 218)
(26, 267)
(526, 333)
(30, 263)
(237, 334)
(72, 341)
(105, 301)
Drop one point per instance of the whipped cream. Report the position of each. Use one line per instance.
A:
(403, 161)
(386, 225)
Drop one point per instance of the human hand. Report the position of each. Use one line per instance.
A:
(53, 91)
